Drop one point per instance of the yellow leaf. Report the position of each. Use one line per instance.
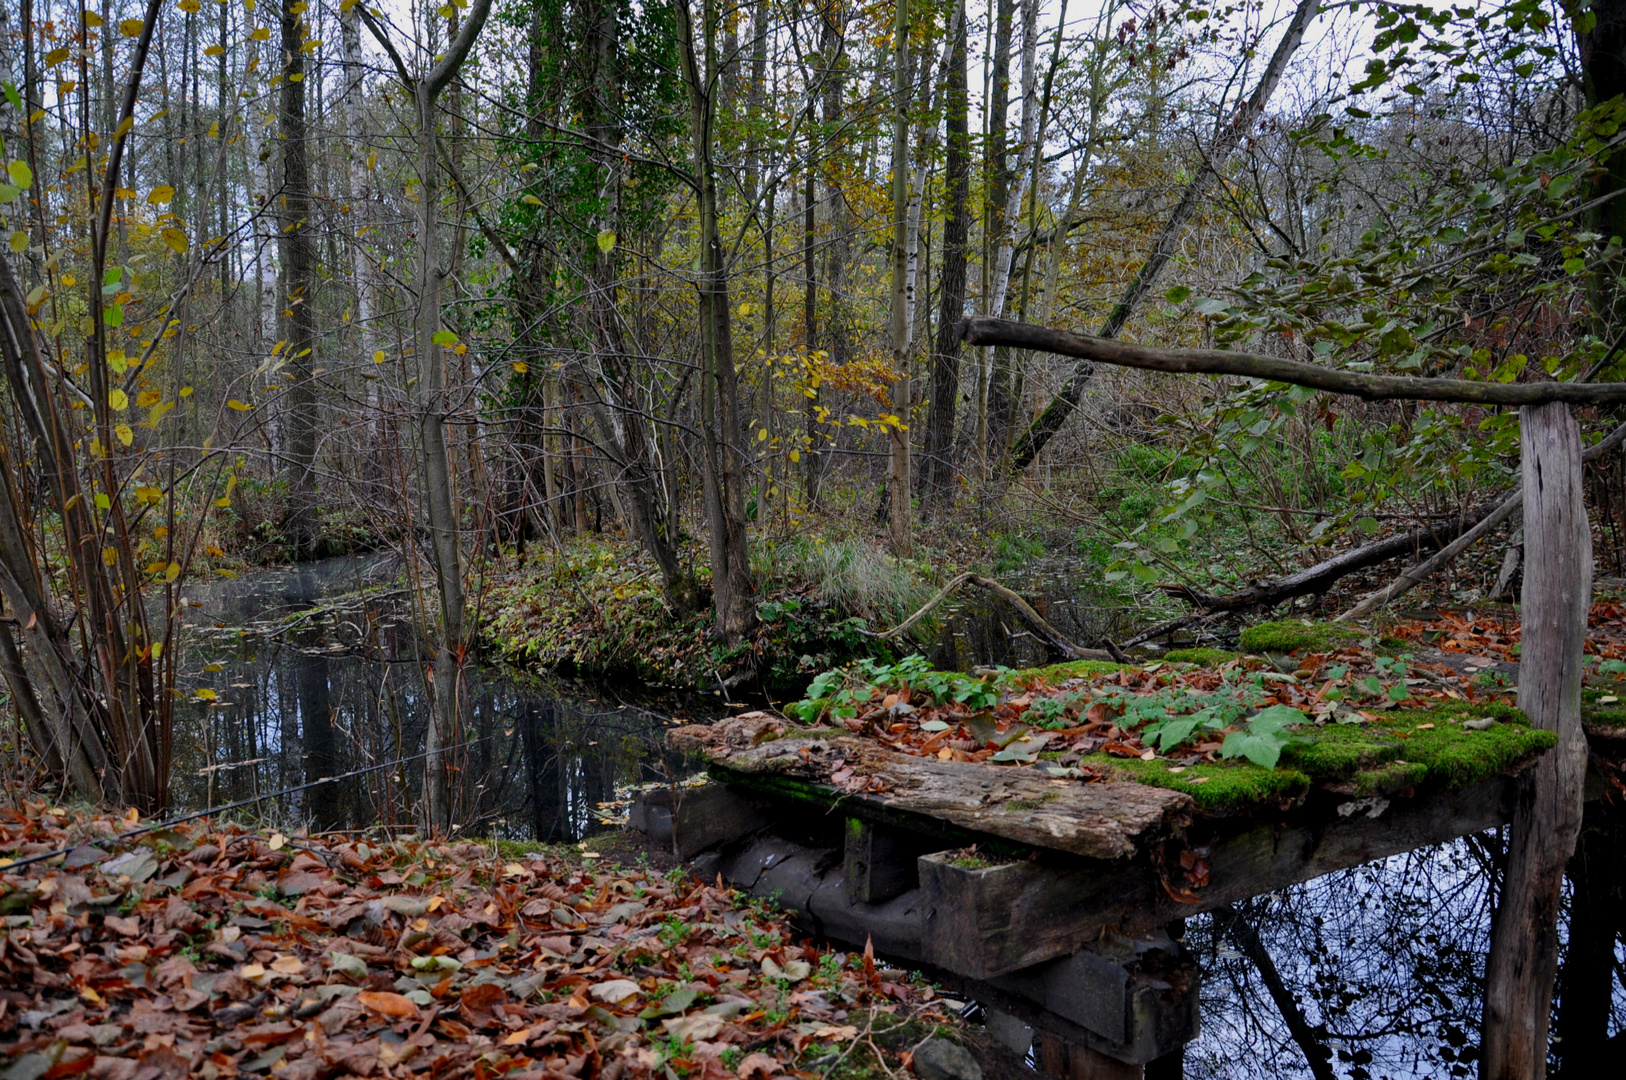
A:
(188, 6)
(148, 398)
(176, 239)
(132, 27)
(172, 572)
(109, 556)
(124, 127)
(186, 391)
(116, 361)
(214, 130)
(214, 50)
(161, 532)
(795, 456)
(762, 434)
(125, 434)
(378, 356)
(55, 57)
(606, 241)
(277, 841)
(207, 695)
(261, 34)
(372, 160)
(156, 567)
(118, 399)
(92, 19)
(157, 649)
(520, 366)
(238, 405)
(531, 200)
(160, 194)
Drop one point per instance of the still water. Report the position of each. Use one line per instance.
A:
(317, 671)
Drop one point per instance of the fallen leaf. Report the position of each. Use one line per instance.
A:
(387, 1004)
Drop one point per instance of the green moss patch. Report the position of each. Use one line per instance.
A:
(1200, 657)
(1071, 669)
(1376, 758)
(1218, 788)
(1295, 635)
(1607, 715)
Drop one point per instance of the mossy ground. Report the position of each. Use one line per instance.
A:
(1604, 706)
(1295, 635)
(1200, 657)
(1056, 673)
(1376, 758)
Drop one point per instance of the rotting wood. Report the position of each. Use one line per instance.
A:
(1098, 821)
(988, 921)
(692, 819)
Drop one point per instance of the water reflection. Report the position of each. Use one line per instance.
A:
(1385, 964)
(317, 672)
(979, 629)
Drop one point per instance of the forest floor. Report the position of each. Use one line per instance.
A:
(213, 951)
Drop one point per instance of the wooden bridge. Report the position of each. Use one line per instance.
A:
(1058, 904)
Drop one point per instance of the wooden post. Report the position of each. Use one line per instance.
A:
(1547, 813)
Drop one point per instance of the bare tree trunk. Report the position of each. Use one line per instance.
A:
(1547, 815)
(956, 227)
(297, 300)
(436, 458)
(721, 452)
(899, 429)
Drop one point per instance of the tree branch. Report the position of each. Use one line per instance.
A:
(980, 330)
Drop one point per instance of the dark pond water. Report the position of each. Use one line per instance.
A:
(317, 672)
(1385, 962)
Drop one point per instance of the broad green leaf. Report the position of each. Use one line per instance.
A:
(18, 242)
(1177, 295)
(606, 241)
(113, 315)
(20, 174)
(444, 337)
(102, 501)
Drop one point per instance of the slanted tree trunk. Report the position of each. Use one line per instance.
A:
(945, 373)
(1547, 815)
(1042, 430)
(296, 238)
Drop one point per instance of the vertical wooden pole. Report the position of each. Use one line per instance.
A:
(1547, 815)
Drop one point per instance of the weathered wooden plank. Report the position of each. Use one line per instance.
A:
(1098, 821)
(986, 921)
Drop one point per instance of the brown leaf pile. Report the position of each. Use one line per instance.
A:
(193, 951)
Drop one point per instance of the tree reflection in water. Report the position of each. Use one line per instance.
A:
(309, 686)
(1387, 964)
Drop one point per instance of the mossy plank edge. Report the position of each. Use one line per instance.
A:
(1099, 821)
(992, 920)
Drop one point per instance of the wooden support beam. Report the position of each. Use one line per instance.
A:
(1547, 816)
(880, 861)
(986, 921)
